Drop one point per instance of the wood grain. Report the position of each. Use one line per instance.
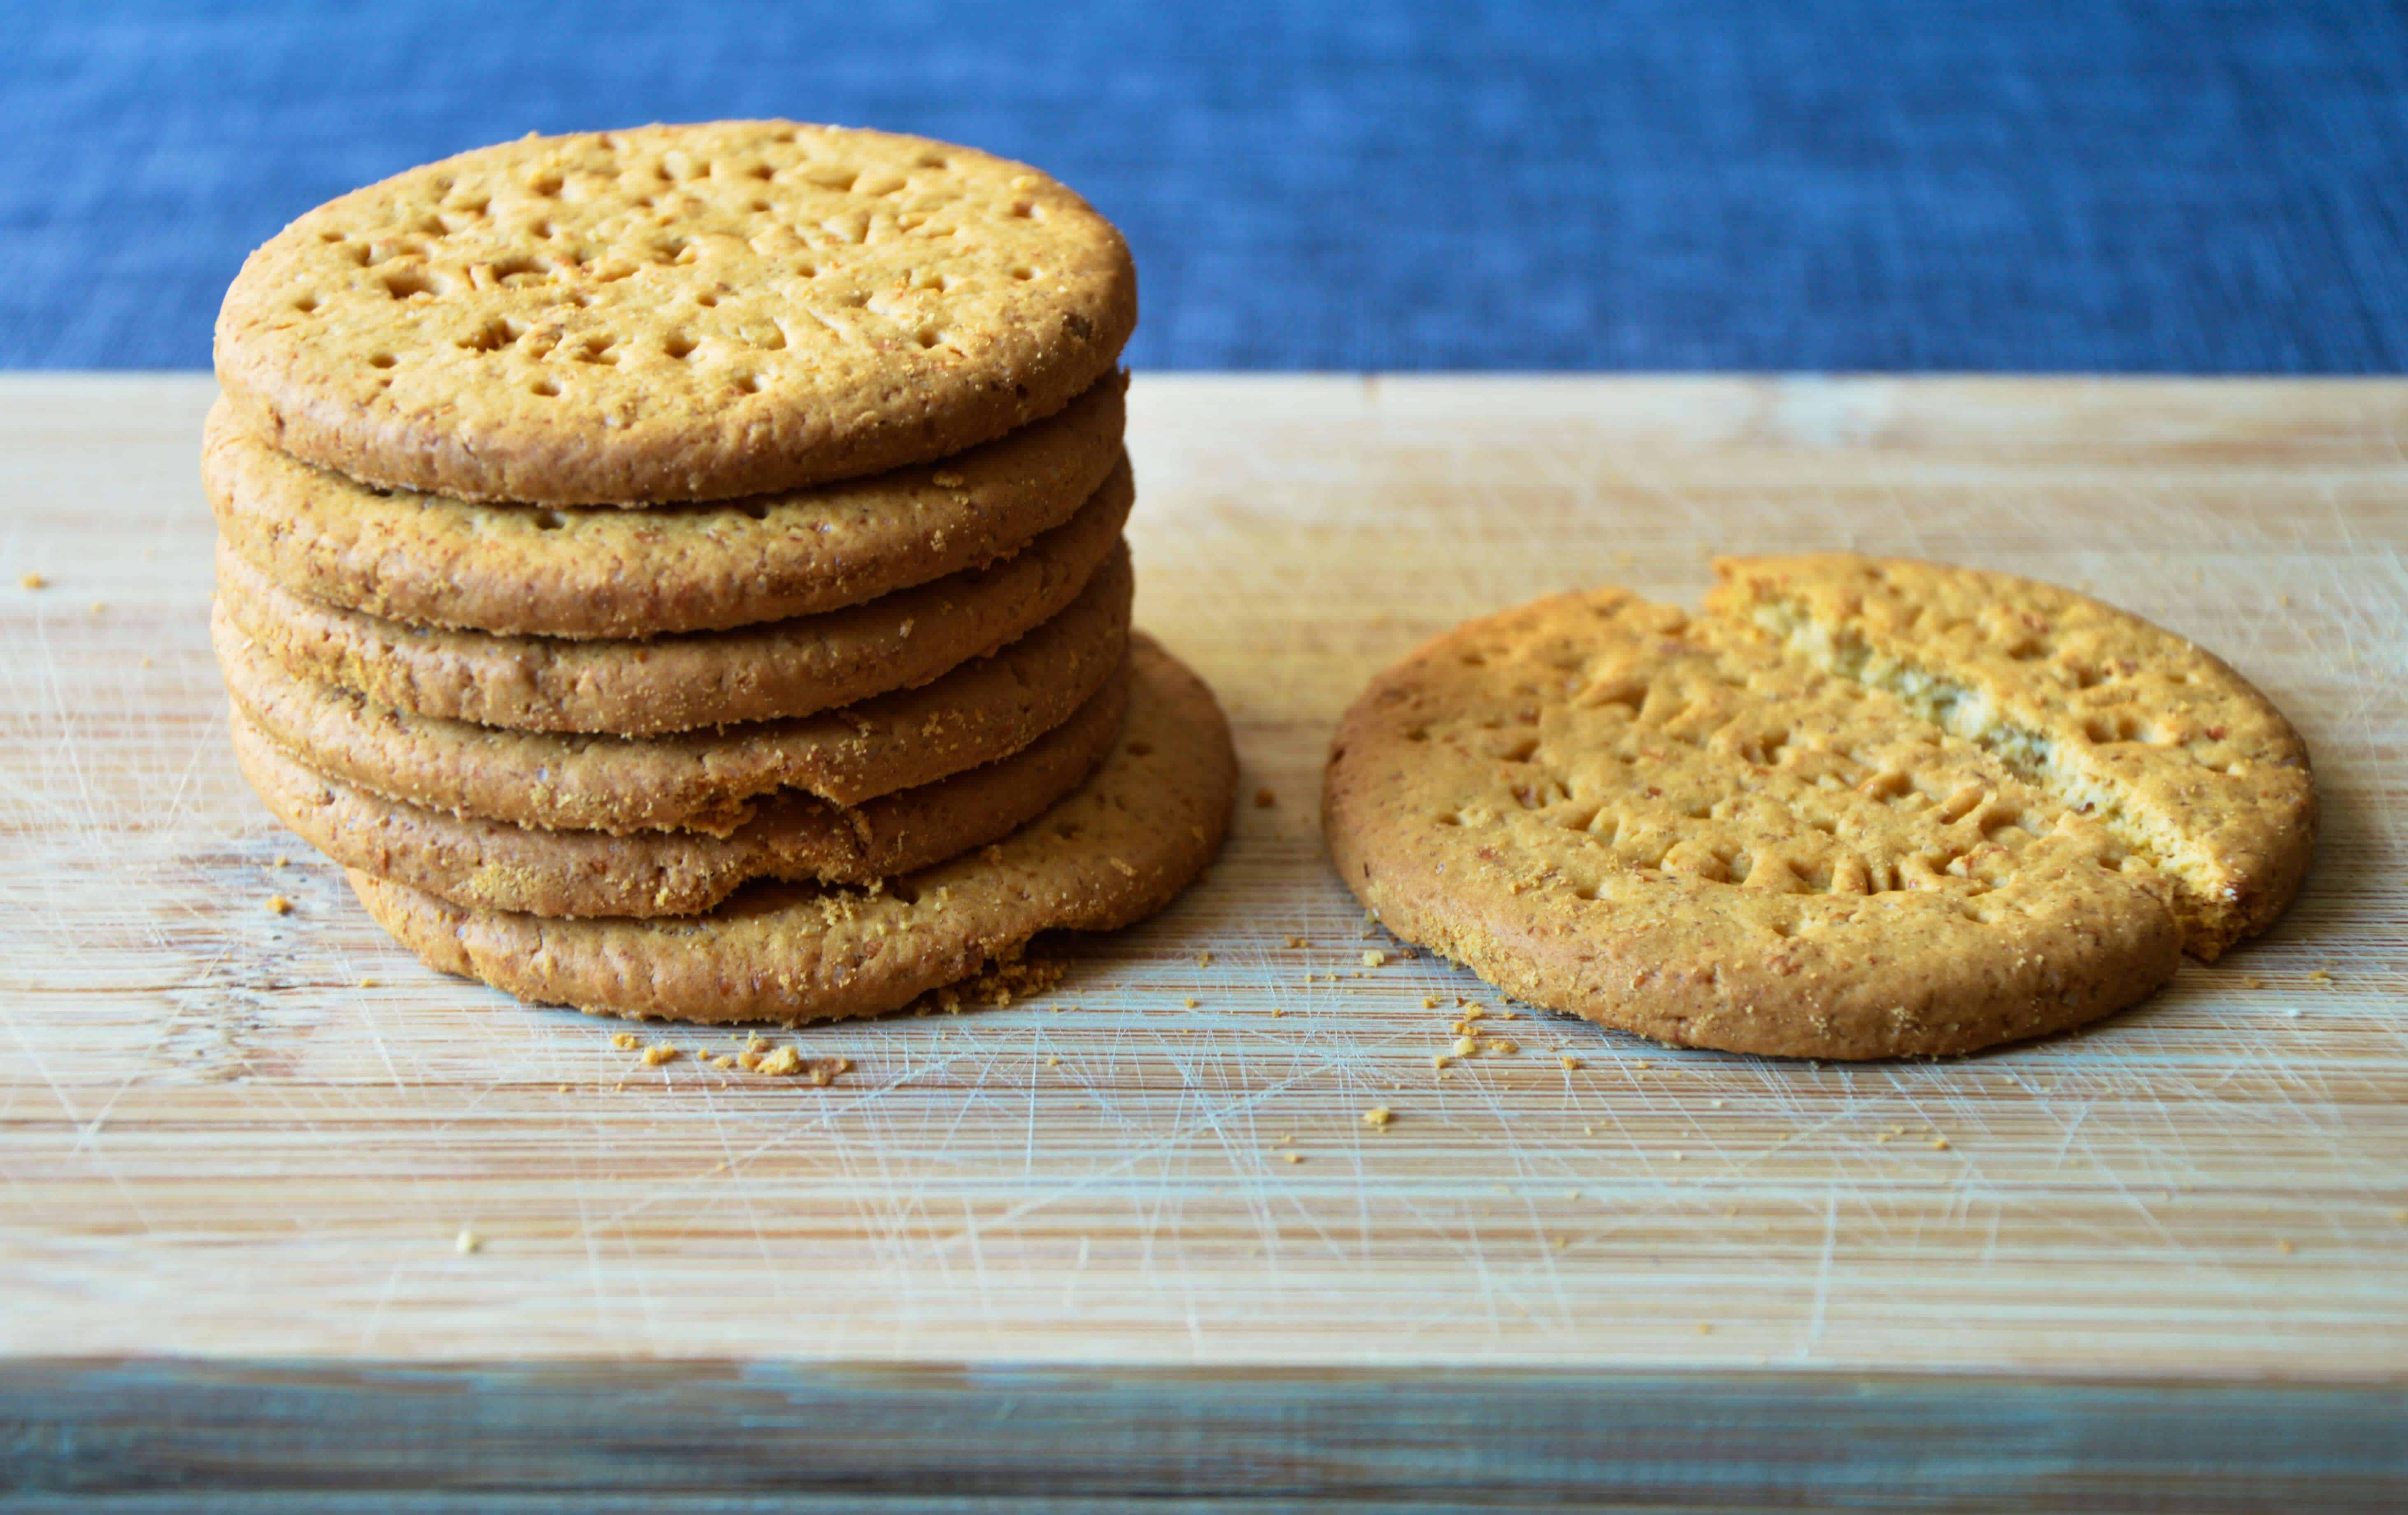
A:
(229, 1134)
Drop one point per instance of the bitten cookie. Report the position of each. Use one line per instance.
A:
(535, 570)
(1118, 849)
(687, 312)
(647, 686)
(1696, 830)
(696, 781)
(496, 866)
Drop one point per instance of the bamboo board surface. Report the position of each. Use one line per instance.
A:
(232, 1133)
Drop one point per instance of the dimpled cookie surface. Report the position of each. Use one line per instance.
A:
(673, 313)
(1686, 827)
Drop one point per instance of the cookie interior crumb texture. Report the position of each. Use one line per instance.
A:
(1858, 808)
(665, 314)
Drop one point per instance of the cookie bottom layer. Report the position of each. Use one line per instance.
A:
(1116, 849)
(493, 864)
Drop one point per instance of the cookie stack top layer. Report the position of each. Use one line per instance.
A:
(673, 313)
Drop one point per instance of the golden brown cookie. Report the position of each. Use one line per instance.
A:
(1119, 847)
(689, 312)
(2174, 753)
(499, 866)
(1684, 828)
(534, 570)
(637, 688)
(696, 780)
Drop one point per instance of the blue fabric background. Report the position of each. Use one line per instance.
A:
(1815, 184)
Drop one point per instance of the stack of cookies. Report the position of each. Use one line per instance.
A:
(678, 572)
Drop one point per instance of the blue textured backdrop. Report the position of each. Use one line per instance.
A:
(1831, 184)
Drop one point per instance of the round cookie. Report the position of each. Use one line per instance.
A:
(1118, 849)
(532, 570)
(1685, 829)
(687, 312)
(637, 688)
(696, 780)
(495, 865)
(2178, 756)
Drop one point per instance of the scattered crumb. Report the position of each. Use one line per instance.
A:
(33, 581)
(99, 606)
(1939, 1144)
(782, 1064)
(1378, 1116)
(1705, 1328)
(659, 1053)
(1296, 941)
(723, 1060)
(1375, 960)
(1464, 1047)
(2253, 983)
(1643, 1062)
(146, 662)
(1052, 1062)
(1264, 798)
(1440, 1060)
(2321, 976)
(1204, 958)
(1713, 1104)
(1191, 1002)
(1277, 1012)
(2284, 1248)
(1588, 1131)
(279, 905)
(563, 1089)
(1503, 1046)
(1291, 1157)
(367, 983)
(466, 1242)
(1570, 1061)
(1429, 1002)
(626, 1041)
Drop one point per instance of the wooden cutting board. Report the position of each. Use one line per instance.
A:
(245, 1137)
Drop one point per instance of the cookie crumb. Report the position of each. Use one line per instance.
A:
(1296, 941)
(785, 1063)
(1204, 958)
(33, 581)
(1378, 1117)
(99, 605)
(367, 983)
(1464, 1047)
(1429, 1002)
(1569, 1062)
(626, 1041)
(279, 905)
(2320, 977)
(723, 1060)
(658, 1053)
(1939, 1144)
(466, 1242)
(2285, 1246)
(1375, 960)
(1503, 1046)
(1191, 1002)
(1291, 1157)
(1052, 1061)
(1264, 798)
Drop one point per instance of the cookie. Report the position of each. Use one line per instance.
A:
(689, 312)
(1119, 847)
(637, 688)
(499, 866)
(2173, 753)
(531, 570)
(697, 780)
(1686, 828)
